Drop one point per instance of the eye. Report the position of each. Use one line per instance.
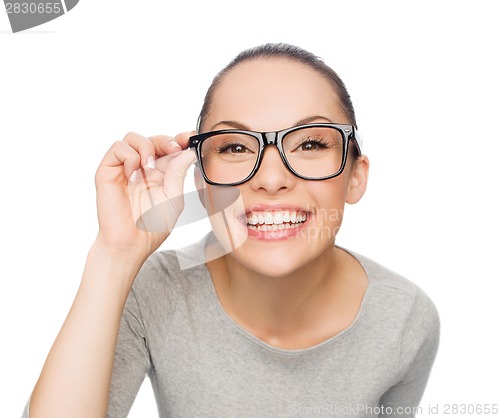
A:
(233, 149)
(312, 145)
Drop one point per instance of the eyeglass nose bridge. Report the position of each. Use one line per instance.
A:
(269, 138)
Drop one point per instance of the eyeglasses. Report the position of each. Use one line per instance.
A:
(316, 151)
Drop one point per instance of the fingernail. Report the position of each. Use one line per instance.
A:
(175, 144)
(151, 162)
(133, 176)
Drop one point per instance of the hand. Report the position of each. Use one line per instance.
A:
(134, 175)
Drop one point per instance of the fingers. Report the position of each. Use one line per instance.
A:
(133, 152)
(143, 147)
(164, 145)
(176, 171)
(167, 145)
(120, 154)
(183, 138)
(136, 151)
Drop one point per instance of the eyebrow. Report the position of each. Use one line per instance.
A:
(241, 126)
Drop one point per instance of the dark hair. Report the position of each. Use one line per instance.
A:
(293, 53)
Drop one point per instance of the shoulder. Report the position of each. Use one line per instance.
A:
(157, 275)
(398, 291)
(405, 308)
(156, 289)
(163, 277)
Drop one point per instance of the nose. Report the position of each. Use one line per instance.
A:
(272, 175)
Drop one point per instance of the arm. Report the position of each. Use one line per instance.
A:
(418, 349)
(76, 378)
(131, 362)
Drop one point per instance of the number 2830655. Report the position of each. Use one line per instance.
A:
(33, 8)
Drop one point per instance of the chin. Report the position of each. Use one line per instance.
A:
(272, 261)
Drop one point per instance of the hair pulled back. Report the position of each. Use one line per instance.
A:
(291, 52)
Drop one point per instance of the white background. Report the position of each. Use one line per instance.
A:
(423, 77)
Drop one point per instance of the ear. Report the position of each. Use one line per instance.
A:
(358, 180)
(200, 184)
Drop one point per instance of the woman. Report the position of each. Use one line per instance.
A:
(286, 323)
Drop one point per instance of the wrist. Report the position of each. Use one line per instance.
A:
(113, 267)
(131, 254)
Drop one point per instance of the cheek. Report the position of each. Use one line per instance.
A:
(224, 205)
(329, 202)
(328, 194)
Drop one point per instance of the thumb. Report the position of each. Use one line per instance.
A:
(175, 173)
(165, 207)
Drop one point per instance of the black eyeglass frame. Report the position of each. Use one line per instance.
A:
(349, 133)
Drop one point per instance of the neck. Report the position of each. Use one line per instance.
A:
(277, 306)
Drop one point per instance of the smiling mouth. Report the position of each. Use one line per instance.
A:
(277, 220)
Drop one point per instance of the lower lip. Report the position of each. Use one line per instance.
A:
(280, 234)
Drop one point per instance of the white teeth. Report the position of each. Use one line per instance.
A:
(277, 218)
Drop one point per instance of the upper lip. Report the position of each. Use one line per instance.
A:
(263, 207)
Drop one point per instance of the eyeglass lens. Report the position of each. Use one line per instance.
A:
(313, 152)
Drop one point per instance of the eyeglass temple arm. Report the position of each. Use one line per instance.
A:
(359, 139)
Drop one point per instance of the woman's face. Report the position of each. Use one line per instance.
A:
(270, 95)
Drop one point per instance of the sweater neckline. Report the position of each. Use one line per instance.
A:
(216, 303)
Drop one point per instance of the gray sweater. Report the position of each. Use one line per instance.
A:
(203, 364)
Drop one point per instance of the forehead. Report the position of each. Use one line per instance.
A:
(273, 93)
